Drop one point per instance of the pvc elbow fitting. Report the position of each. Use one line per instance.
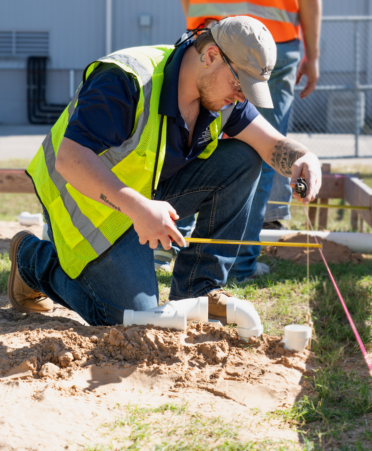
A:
(245, 316)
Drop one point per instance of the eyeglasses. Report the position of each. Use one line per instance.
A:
(237, 82)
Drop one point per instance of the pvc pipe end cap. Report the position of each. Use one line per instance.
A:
(128, 318)
(246, 334)
(297, 332)
(296, 345)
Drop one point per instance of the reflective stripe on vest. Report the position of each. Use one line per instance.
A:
(281, 16)
(95, 237)
(114, 155)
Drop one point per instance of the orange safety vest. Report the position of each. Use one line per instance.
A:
(280, 16)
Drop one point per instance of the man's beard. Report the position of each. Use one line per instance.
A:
(206, 91)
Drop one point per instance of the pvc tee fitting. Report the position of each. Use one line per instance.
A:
(195, 309)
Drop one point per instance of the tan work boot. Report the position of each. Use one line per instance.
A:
(217, 300)
(21, 296)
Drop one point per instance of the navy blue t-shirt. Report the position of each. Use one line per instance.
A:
(104, 116)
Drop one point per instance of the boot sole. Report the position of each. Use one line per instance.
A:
(13, 258)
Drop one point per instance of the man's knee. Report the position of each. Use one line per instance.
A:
(244, 159)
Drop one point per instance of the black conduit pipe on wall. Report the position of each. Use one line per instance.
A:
(38, 110)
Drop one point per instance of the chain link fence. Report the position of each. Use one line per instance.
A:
(335, 121)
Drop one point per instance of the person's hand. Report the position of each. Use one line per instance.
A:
(309, 68)
(307, 167)
(154, 222)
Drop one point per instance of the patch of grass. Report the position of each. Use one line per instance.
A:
(171, 427)
(15, 163)
(4, 272)
(12, 204)
(341, 397)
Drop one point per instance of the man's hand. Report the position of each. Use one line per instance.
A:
(309, 68)
(307, 167)
(153, 222)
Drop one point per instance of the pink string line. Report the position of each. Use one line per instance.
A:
(357, 336)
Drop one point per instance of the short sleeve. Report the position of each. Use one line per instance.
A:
(243, 114)
(106, 109)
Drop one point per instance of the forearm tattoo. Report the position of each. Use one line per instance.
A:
(284, 155)
(104, 198)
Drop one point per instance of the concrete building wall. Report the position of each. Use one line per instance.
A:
(77, 36)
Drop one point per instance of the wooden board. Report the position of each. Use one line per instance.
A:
(15, 181)
(323, 215)
(323, 212)
(332, 186)
(358, 193)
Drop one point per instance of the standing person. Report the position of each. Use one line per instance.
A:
(138, 148)
(283, 18)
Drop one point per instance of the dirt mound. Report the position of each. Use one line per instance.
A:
(209, 357)
(333, 252)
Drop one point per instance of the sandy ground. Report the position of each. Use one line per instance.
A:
(60, 378)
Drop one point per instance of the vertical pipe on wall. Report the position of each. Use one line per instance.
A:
(72, 83)
(357, 91)
(108, 26)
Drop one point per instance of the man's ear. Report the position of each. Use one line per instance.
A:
(212, 53)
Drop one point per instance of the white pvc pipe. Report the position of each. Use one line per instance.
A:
(195, 309)
(174, 314)
(26, 218)
(245, 316)
(169, 320)
(356, 242)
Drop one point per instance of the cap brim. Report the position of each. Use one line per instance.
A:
(256, 91)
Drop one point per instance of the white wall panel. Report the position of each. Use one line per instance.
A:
(76, 27)
(167, 22)
(13, 95)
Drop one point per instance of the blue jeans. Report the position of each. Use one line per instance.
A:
(271, 186)
(220, 188)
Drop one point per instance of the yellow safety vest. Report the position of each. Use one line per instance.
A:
(82, 228)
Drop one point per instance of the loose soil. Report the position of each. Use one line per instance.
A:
(60, 378)
(333, 252)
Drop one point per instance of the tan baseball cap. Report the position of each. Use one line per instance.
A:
(250, 46)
